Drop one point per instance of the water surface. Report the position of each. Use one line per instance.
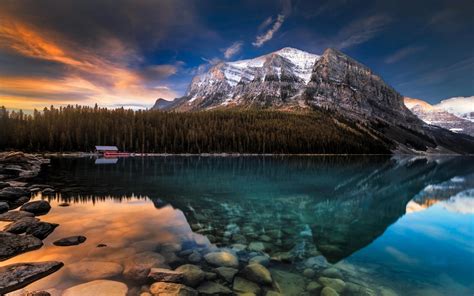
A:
(395, 226)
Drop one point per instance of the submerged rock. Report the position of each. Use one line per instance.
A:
(41, 229)
(213, 288)
(14, 244)
(21, 225)
(138, 267)
(37, 207)
(327, 291)
(168, 289)
(337, 284)
(19, 275)
(4, 207)
(257, 273)
(316, 263)
(70, 241)
(193, 275)
(165, 275)
(314, 288)
(94, 270)
(98, 287)
(227, 273)
(242, 285)
(14, 215)
(222, 258)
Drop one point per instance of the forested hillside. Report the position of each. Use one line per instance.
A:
(77, 128)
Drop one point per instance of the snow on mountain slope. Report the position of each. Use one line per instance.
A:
(437, 115)
(461, 106)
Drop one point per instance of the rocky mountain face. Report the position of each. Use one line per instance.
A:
(291, 79)
(161, 104)
(436, 115)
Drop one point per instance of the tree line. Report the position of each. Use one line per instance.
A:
(80, 128)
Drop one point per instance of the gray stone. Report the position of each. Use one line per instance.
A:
(195, 257)
(70, 241)
(37, 207)
(14, 215)
(213, 288)
(98, 287)
(18, 275)
(41, 229)
(21, 225)
(316, 263)
(166, 275)
(257, 273)
(256, 247)
(4, 207)
(171, 289)
(242, 285)
(309, 273)
(14, 244)
(332, 272)
(193, 275)
(227, 273)
(222, 258)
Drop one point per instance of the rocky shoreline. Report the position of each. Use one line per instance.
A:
(25, 231)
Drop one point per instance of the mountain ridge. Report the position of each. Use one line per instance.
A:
(337, 83)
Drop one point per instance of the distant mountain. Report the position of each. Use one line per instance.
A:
(161, 104)
(460, 106)
(293, 80)
(439, 116)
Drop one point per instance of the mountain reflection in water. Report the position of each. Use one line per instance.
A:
(302, 206)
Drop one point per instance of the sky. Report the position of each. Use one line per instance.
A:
(131, 52)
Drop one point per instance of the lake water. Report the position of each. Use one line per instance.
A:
(386, 226)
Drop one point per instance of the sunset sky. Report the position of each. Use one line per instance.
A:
(129, 53)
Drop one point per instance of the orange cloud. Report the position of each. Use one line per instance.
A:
(102, 76)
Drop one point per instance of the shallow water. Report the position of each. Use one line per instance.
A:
(393, 226)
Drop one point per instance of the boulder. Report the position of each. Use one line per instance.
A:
(195, 257)
(165, 275)
(48, 191)
(94, 270)
(70, 241)
(41, 229)
(257, 273)
(10, 193)
(21, 225)
(37, 207)
(313, 288)
(264, 260)
(213, 288)
(18, 202)
(227, 273)
(38, 293)
(222, 258)
(316, 262)
(4, 207)
(14, 215)
(193, 275)
(327, 291)
(4, 184)
(242, 285)
(98, 287)
(256, 247)
(14, 244)
(138, 267)
(18, 275)
(332, 272)
(337, 285)
(309, 273)
(171, 289)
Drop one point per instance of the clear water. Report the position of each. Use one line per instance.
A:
(388, 226)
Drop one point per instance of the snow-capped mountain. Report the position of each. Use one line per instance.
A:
(460, 106)
(332, 83)
(439, 116)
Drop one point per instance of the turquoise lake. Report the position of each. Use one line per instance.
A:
(384, 225)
